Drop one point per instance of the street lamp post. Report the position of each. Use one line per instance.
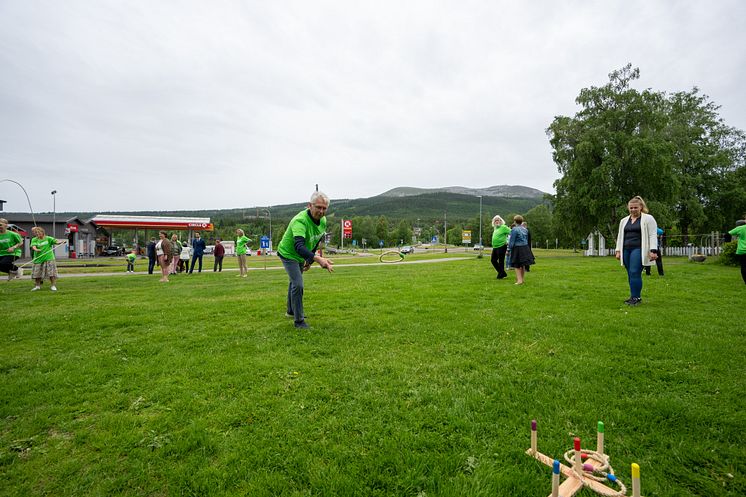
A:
(54, 214)
(269, 213)
(445, 232)
(481, 245)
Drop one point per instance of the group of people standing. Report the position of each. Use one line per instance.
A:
(42, 248)
(637, 247)
(515, 240)
(173, 255)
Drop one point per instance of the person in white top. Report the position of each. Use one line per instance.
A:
(186, 253)
(636, 245)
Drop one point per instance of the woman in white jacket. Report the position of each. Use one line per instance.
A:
(636, 245)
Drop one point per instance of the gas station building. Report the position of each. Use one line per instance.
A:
(154, 224)
(89, 238)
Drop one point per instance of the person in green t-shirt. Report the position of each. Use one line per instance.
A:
(131, 257)
(740, 233)
(10, 250)
(42, 248)
(242, 250)
(499, 246)
(297, 251)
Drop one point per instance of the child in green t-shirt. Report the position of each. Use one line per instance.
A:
(131, 261)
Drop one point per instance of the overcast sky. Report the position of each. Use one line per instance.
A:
(166, 104)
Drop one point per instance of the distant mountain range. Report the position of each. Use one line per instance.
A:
(505, 191)
(457, 202)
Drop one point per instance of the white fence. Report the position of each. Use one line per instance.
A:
(668, 251)
(596, 244)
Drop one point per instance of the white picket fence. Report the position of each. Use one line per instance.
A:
(596, 244)
(667, 251)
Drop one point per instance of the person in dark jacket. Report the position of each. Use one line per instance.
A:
(198, 245)
(151, 255)
(219, 254)
(521, 255)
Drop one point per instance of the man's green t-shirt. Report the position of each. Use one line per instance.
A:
(46, 246)
(301, 225)
(500, 236)
(740, 232)
(131, 257)
(7, 240)
(241, 244)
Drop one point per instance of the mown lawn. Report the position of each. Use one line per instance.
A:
(415, 380)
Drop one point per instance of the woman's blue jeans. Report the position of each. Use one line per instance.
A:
(632, 259)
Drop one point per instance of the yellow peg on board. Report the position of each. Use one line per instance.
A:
(635, 480)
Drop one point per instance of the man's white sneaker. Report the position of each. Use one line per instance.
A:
(36, 288)
(54, 288)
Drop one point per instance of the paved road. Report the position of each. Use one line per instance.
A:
(62, 276)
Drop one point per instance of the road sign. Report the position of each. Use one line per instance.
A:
(347, 228)
(264, 242)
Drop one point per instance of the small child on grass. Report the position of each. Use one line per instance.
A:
(131, 261)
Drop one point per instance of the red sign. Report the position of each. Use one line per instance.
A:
(347, 228)
(72, 228)
(154, 224)
(200, 225)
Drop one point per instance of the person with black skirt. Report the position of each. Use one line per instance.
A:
(520, 251)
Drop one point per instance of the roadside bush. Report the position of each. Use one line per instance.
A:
(728, 255)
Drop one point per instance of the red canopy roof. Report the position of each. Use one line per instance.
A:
(154, 222)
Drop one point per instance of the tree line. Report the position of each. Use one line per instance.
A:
(674, 150)
(369, 231)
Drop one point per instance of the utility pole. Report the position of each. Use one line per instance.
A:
(481, 245)
(54, 213)
(269, 213)
(445, 231)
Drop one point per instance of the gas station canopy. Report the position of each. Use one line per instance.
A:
(153, 222)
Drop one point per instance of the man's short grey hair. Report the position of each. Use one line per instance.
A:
(319, 196)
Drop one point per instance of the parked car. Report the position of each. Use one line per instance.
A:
(112, 251)
(209, 249)
(478, 247)
(17, 229)
(407, 249)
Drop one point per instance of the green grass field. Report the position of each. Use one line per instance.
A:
(415, 380)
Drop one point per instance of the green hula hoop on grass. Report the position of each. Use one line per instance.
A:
(391, 257)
